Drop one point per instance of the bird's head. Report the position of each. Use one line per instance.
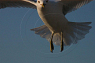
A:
(42, 3)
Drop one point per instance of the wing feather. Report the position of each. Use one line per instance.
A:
(71, 5)
(18, 3)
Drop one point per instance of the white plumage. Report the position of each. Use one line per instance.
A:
(57, 28)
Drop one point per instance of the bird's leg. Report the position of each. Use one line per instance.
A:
(51, 43)
(62, 44)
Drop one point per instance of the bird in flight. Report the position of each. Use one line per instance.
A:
(56, 29)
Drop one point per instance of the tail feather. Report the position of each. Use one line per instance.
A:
(75, 32)
(67, 39)
(80, 29)
(38, 30)
(73, 37)
(79, 23)
(56, 39)
(43, 31)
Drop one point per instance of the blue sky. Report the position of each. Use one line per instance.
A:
(20, 45)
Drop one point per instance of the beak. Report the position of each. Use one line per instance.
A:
(43, 5)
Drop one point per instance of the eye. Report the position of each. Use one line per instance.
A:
(38, 1)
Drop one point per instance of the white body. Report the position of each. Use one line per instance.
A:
(52, 14)
(53, 17)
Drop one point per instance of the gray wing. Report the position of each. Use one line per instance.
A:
(71, 5)
(17, 3)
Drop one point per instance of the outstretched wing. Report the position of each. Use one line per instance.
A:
(71, 5)
(17, 3)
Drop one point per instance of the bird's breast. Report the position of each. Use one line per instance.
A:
(53, 17)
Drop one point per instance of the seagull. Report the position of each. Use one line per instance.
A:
(56, 29)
